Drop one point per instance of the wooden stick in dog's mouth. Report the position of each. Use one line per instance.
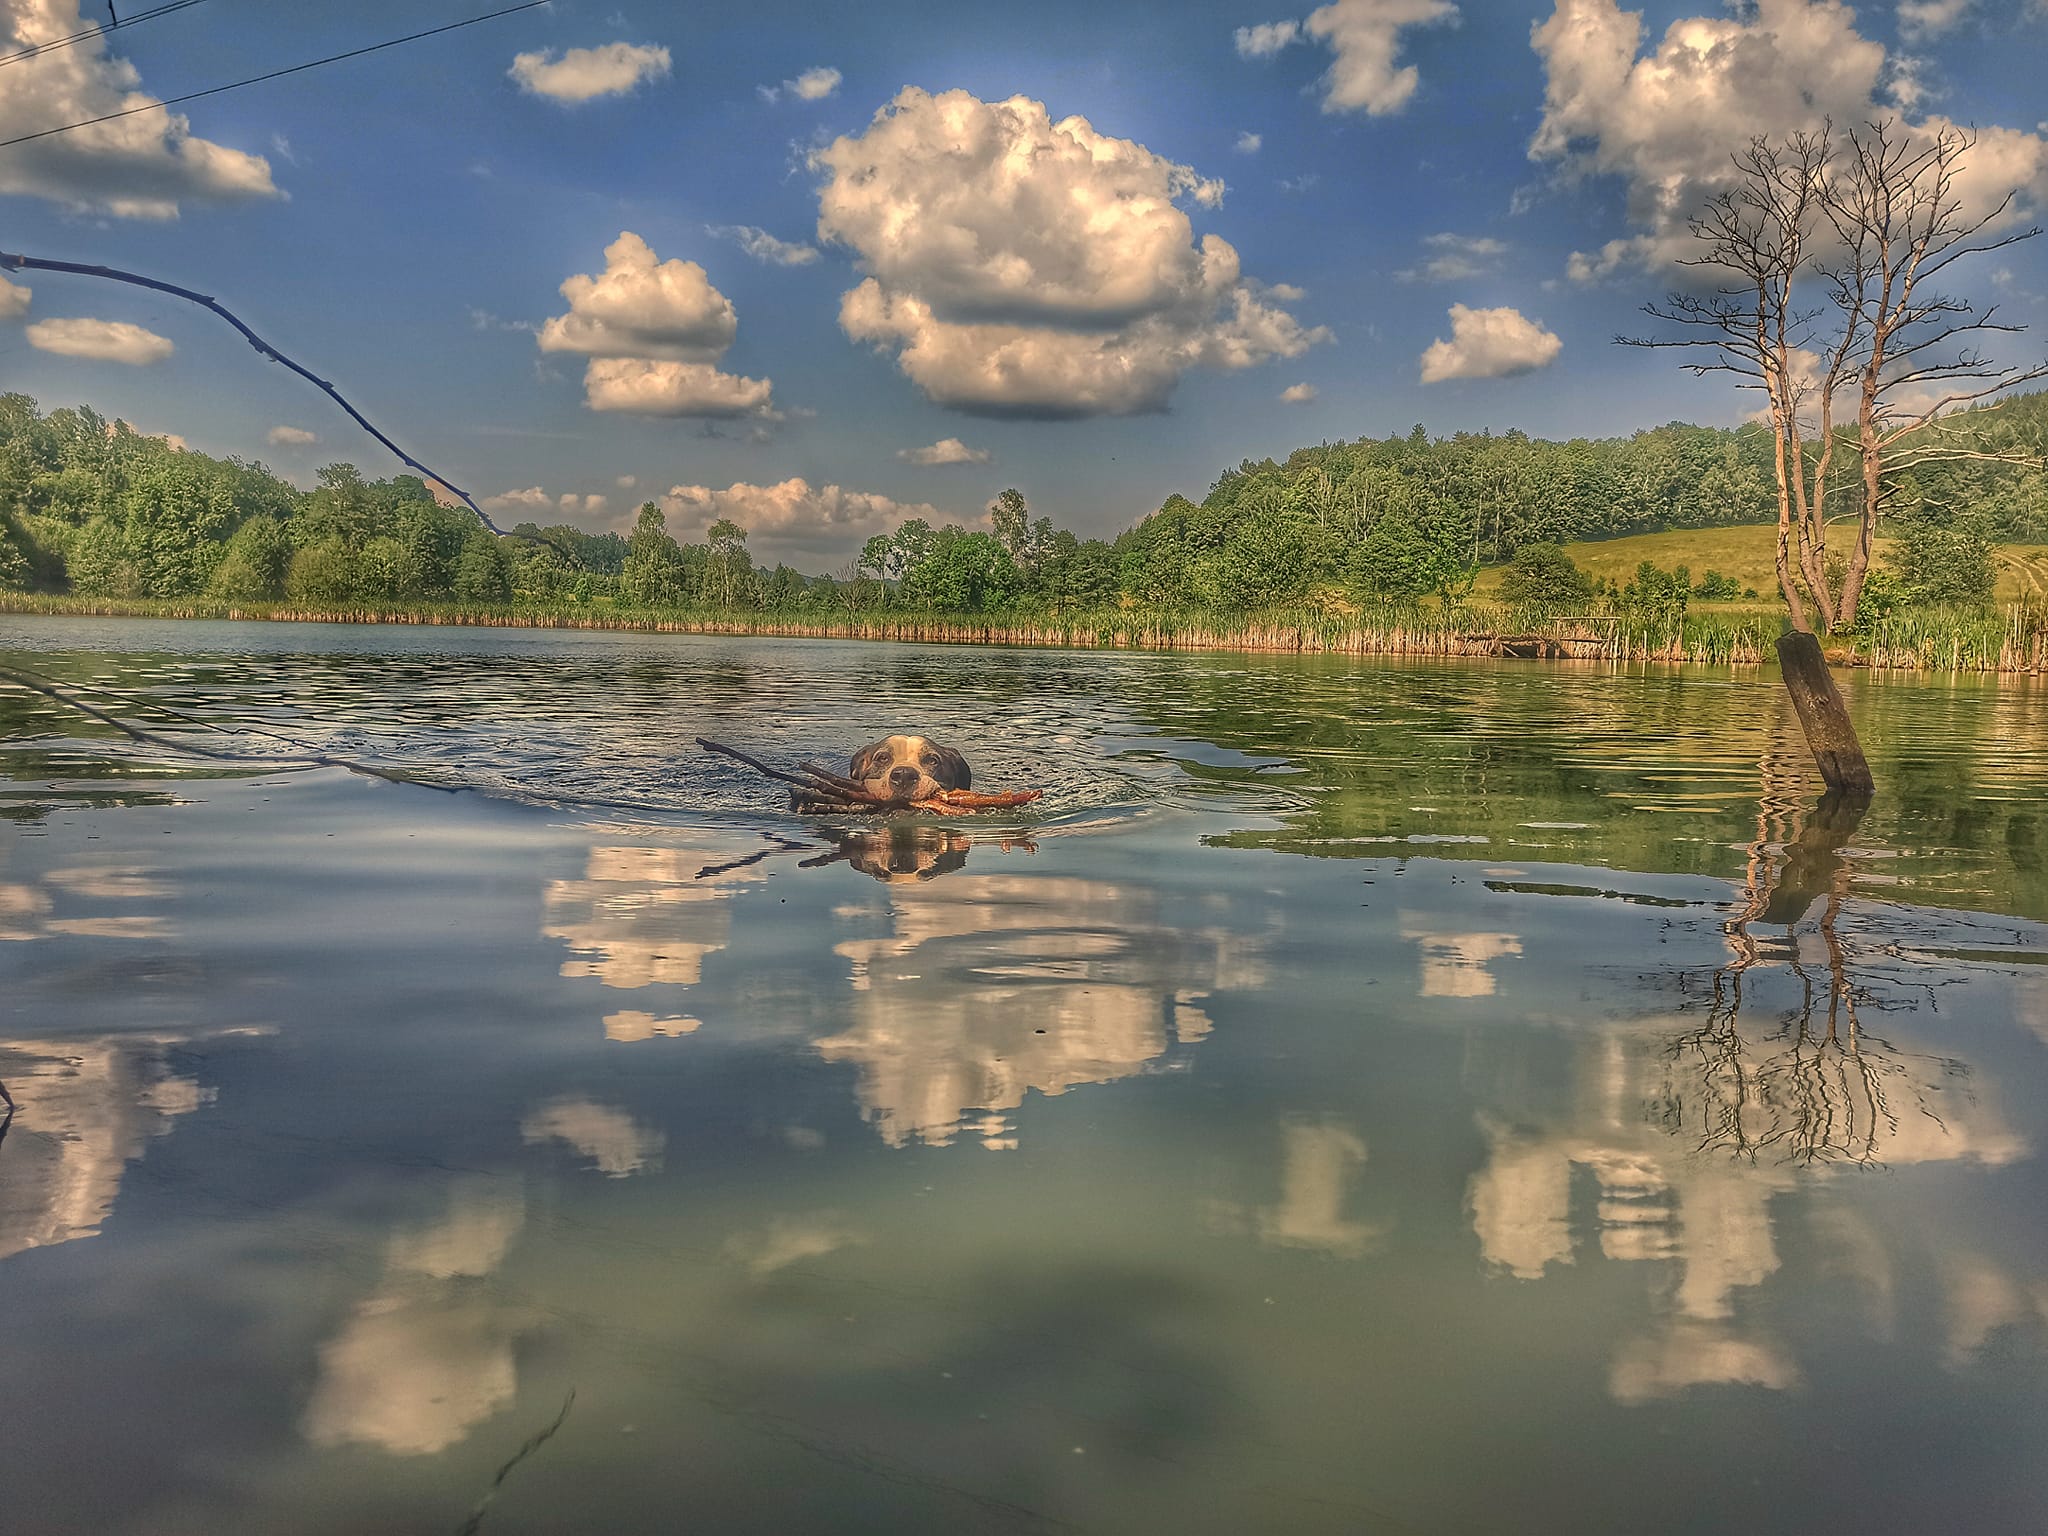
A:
(835, 792)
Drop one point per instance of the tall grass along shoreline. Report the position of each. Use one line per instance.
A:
(2014, 639)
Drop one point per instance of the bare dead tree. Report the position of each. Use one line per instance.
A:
(1901, 223)
(1759, 236)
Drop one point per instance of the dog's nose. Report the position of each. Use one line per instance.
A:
(901, 777)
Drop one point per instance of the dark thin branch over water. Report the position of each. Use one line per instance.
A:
(10, 262)
(308, 758)
(475, 1521)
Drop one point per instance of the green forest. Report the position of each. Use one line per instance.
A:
(90, 507)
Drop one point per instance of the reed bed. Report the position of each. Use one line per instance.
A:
(2011, 640)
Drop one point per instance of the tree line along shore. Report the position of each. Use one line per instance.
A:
(1407, 545)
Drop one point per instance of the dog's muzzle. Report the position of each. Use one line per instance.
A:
(902, 780)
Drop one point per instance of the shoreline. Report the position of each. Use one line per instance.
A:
(1740, 640)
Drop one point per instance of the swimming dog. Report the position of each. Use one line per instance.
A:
(908, 768)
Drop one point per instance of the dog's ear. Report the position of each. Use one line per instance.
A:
(956, 768)
(862, 761)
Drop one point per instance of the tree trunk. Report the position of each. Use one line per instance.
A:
(1823, 715)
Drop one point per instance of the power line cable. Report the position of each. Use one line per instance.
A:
(37, 50)
(275, 74)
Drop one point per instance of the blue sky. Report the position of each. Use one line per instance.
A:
(418, 211)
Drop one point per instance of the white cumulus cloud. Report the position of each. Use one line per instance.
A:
(13, 300)
(764, 247)
(1021, 266)
(792, 518)
(582, 74)
(1666, 122)
(1249, 143)
(947, 450)
(1298, 394)
(1266, 39)
(534, 498)
(137, 167)
(814, 84)
(509, 501)
(654, 332)
(1365, 35)
(290, 437)
(652, 387)
(1488, 344)
(107, 341)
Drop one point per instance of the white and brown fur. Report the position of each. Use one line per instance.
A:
(901, 769)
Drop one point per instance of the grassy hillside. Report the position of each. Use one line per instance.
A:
(1747, 554)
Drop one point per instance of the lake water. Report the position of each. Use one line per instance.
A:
(1362, 1097)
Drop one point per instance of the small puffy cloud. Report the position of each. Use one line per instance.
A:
(793, 517)
(947, 450)
(764, 247)
(534, 499)
(1365, 35)
(1666, 122)
(1454, 258)
(1249, 143)
(652, 387)
(1921, 19)
(642, 308)
(654, 332)
(1298, 394)
(1026, 267)
(627, 482)
(107, 341)
(1596, 266)
(814, 84)
(291, 437)
(137, 167)
(13, 300)
(511, 501)
(583, 74)
(1266, 39)
(1489, 344)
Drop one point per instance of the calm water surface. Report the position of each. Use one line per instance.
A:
(1361, 1098)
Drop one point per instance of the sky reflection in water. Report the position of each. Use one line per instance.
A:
(1369, 1098)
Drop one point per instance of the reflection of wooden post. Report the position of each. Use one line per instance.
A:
(1823, 714)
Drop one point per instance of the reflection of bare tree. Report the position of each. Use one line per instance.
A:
(1812, 1085)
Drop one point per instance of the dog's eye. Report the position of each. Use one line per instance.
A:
(930, 760)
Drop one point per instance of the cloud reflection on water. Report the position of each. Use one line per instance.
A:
(429, 1353)
(996, 986)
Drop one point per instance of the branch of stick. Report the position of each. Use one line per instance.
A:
(820, 789)
(811, 781)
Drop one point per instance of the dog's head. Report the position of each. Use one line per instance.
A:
(908, 768)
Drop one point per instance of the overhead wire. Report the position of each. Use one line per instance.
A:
(37, 50)
(275, 74)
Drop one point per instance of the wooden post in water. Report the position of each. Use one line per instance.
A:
(1823, 715)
